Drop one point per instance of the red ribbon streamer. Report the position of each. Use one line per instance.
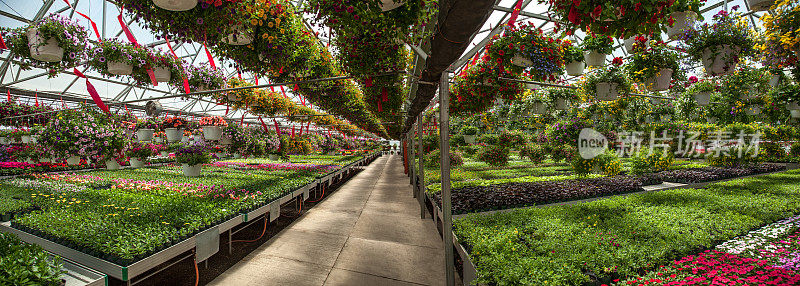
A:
(242, 121)
(92, 92)
(185, 79)
(277, 128)
(239, 72)
(384, 95)
(227, 108)
(210, 59)
(292, 131)
(284, 92)
(8, 92)
(94, 26)
(2, 43)
(263, 125)
(125, 29)
(514, 14)
(37, 98)
(152, 76)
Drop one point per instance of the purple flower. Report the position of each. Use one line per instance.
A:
(102, 59)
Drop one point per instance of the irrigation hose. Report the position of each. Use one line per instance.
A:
(196, 273)
(259, 237)
(320, 197)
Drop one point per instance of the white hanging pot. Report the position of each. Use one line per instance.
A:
(145, 134)
(173, 134)
(607, 91)
(157, 139)
(575, 68)
(73, 160)
(175, 5)
(26, 139)
(185, 139)
(119, 68)
(3, 140)
(112, 165)
(660, 81)
(136, 163)
(792, 105)
(711, 120)
(273, 157)
(238, 36)
(225, 140)
(164, 154)
(44, 160)
(629, 44)
(49, 51)
(760, 5)
(594, 59)
(520, 61)
(720, 61)
(469, 139)
(212, 132)
(162, 74)
(538, 108)
(560, 104)
(34, 139)
(703, 98)
(387, 5)
(232, 96)
(752, 110)
(795, 113)
(237, 155)
(774, 80)
(192, 171)
(682, 21)
(655, 101)
(198, 138)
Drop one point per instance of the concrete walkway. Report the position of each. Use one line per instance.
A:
(366, 233)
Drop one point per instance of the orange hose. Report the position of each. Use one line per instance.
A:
(196, 274)
(320, 197)
(259, 237)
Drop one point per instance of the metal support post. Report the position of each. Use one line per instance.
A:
(411, 171)
(421, 188)
(444, 162)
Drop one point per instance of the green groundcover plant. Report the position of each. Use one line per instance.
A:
(27, 264)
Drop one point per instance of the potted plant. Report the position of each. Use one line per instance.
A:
(720, 45)
(573, 57)
(204, 78)
(608, 83)
(173, 128)
(683, 14)
(469, 133)
(613, 19)
(24, 136)
(525, 47)
(114, 58)
(561, 97)
(780, 43)
(760, 5)
(175, 5)
(701, 91)
(145, 129)
(54, 44)
(138, 154)
(164, 68)
(654, 66)
(596, 48)
(212, 127)
(192, 158)
(630, 41)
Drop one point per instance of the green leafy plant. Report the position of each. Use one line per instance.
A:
(70, 36)
(598, 43)
(534, 152)
(572, 53)
(647, 162)
(613, 75)
(647, 63)
(726, 29)
(27, 264)
(469, 130)
(493, 155)
(432, 159)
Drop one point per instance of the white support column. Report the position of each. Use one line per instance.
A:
(444, 162)
(421, 189)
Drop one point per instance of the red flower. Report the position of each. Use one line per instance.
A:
(597, 11)
(617, 61)
(637, 7)
(574, 16)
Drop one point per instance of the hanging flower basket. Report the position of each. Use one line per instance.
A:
(119, 68)
(560, 104)
(661, 81)
(212, 132)
(774, 80)
(274, 157)
(112, 165)
(46, 50)
(538, 108)
(703, 98)
(73, 160)
(794, 113)
(595, 59)
(720, 60)
(233, 97)
(521, 61)
(225, 140)
(387, 5)
(239, 36)
(191, 170)
(682, 22)
(575, 68)
(470, 139)
(173, 134)
(792, 105)
(760, 5)
(175, 5)
(26, 139)
(607, 91)
(629, 43)
(136, 163)
(145, 134)
(162, 74)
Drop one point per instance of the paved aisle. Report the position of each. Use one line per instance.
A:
(366, 233)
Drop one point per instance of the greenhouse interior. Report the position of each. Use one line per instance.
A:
(396, 142)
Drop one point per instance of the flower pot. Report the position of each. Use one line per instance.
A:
(594, 59)
(470, 139)
(660, 81)
(238, 36)
(721, 60)
(237, 155)
(73, 160)
(538, 108)
(158, 140)
(702, 98)
(26, 139)
(44, 50)
(792, 105)
(112, 165)
(145, 134)
(4, 140)
(711, 120)
(197, 138)
(34, 139)
(233, 97)
(225, 140)
(185, 139)
(752, 110)
(682, 22)
(191, 171)
(212, 132)
(629, 43)
(774, 80)
(136, 163)
(607, 91)
(162, 74)
(44, 160)
(175, 5)
(164, 153)
(173, 134)
(520, 61)
(794, 113)
(760, 5)
(119, 68)
(575, 68)
(648, 119)
(274, 157)
(560, 104)
(387, 5)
